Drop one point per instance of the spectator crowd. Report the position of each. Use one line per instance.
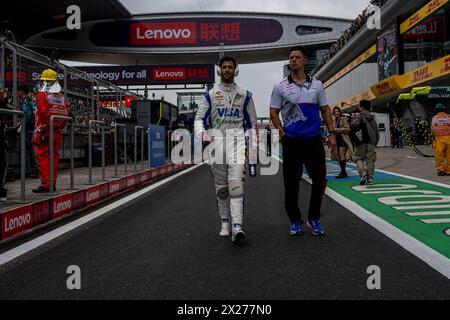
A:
(357, 24)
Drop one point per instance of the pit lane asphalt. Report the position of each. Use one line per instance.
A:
(166, 246)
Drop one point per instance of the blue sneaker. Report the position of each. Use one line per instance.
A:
(316, 227)
(296, 229)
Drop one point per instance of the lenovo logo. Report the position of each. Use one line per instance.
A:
(114, 187)
(92, 196)
(62, 206)
(17, 222)
(163, 33)
(169, 74)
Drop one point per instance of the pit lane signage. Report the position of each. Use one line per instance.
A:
(186, 32)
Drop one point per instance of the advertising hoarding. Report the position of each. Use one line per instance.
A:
(387, 51)
(157, 146)
(186, 32)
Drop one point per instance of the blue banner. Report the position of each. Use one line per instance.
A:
(157, 146)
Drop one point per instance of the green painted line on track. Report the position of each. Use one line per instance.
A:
(436, 235)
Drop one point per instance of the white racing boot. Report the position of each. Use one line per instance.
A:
(237, 234)
(225, 231)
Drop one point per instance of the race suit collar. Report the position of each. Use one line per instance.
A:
(227, 87)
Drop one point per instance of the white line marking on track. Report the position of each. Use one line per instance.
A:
(35, 243)
(428, 213)
(433, 221)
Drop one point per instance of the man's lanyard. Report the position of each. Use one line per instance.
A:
(301, 86)
(231, 100)
(307, 79)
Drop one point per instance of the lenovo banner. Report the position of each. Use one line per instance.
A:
(186, 32)
(41, 212)
(62, 205)
(17, 221)
(163, 33)
(160, 75)
(114, 187)
(93, 195)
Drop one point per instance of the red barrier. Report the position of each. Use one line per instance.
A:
(154, 174)
(131, 182)
(17, 221)
(137, 177)
(41, 212)
(143, 177)
(104, 191)
(123, 184)
(79, 199)
(61, 205)
(114, 187)
(92, 195)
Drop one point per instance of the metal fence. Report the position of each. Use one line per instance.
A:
(83, 93)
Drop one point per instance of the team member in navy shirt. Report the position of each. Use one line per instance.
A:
(301, 99)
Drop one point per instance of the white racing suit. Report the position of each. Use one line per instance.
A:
(225, 108)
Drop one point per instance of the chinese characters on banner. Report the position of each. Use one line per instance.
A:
(222, 32)
(197, 73)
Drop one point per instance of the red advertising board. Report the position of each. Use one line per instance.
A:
(123, 184)
(186, 32)
(17, 221)
(104, 190)
(138, 179)
(151, 74)
(93, 195)
(143, 177)
(79, 200)
(62, 205)
(41, 212)
(430, 30)
(131, 182)
(114, 187)
(151, 174)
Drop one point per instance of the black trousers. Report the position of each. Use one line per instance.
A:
(297, 154)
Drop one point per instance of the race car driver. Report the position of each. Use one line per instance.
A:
(227, 108)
